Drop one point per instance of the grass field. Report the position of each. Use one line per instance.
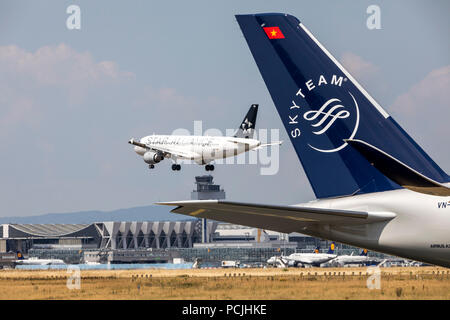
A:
(265, 284)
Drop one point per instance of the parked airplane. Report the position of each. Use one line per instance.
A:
(313, 259)
(201, 149)
(36, 261)
(376, 187)
(362, 258)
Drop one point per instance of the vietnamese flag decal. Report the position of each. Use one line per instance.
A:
(274, 33)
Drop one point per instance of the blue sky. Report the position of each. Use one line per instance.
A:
(70, 99)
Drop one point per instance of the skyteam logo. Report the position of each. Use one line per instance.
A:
(324, 117)
(325, 126)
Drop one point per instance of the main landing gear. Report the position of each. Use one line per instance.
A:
(151, 166)
(176, 167)
(209, 167)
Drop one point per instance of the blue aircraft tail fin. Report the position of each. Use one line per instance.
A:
(363, 252)
(322, 106)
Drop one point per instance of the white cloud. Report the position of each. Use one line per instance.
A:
(57, 66)
(358, 67)
(367, 74)
(424, 111)
(165, 98)
(431, 94)
(33, 83)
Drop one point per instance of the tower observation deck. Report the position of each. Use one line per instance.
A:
(207, 190)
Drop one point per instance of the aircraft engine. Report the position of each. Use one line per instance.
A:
(152, 157)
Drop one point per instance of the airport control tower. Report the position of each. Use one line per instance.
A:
(206, 190)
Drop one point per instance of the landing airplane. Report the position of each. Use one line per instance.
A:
(201, 149)
(376, 188)
(313, 259)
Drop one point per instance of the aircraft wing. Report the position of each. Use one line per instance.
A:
(177, 152)
(279, 218)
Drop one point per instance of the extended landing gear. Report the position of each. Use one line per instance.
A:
(151, 166)
(209, 167)
(176, 167)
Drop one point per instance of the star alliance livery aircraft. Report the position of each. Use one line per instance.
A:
(201, 149)
(376, 188)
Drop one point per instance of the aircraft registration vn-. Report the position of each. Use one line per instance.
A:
(201, 149)
(376, 187)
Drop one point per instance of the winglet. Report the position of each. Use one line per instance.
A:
(397, 171)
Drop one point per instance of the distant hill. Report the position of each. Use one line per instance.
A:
(146, 213)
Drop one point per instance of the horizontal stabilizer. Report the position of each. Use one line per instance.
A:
(265, 145)
(397, 171)
(273, 217)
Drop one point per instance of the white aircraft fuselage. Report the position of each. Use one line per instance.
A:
(39, 262)
(418, 231)
(310, 258)
(201, 149)
(347, 259)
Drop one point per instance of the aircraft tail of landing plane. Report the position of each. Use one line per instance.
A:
(344, 139)
(247, 127)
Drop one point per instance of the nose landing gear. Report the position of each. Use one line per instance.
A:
(176, 167)
(209, 167)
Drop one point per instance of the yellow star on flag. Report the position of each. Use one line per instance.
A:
(273, 32)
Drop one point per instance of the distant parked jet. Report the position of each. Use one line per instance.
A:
(314, 259)
(362, 258)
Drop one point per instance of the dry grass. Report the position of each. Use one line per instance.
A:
(314, 283)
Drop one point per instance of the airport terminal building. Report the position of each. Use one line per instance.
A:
(155, 241)
(102, 235)
(149, 241)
